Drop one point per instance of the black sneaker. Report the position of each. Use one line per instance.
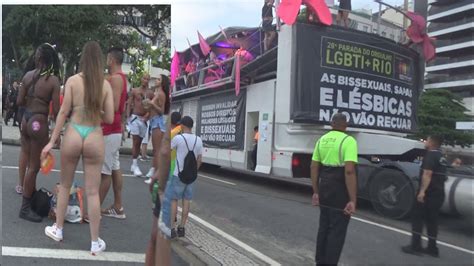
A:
(181, 231)
(173, 233)
(412, 250)
(29, 215)
(433, 252)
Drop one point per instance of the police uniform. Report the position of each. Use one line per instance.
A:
(332, 151)
(427, 212)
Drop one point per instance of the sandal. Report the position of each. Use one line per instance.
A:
(19, 189)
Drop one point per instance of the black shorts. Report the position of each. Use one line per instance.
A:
(157, 209)
(345, 5)
(267, 26)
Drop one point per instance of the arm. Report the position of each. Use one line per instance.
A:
(129, 103)
(55, 99)
(425, 180)
(165, 157)
(64, 111)
(108, 115)
(20, 100)
(315, 176)
(117, 86)
(351, 181)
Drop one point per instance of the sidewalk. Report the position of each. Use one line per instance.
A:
(11, 136)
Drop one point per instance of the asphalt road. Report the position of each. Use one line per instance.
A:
(277, 219)
(130, 235)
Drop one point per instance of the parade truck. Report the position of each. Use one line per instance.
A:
(291, 92)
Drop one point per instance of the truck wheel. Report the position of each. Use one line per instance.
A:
(392, 194)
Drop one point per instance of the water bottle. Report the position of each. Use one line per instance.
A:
(154, 193)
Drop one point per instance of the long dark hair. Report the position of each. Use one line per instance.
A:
(92, 68)
(165, 86)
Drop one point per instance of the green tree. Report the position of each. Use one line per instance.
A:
(438, 112)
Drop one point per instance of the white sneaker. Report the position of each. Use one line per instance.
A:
(151, 172)
(132, 168)
(98, 248)
(148, 181)
(54, 232)
(136, 171)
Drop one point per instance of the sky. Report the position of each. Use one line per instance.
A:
(188, 16)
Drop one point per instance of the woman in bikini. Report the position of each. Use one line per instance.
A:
(159, 106)
(90, 99)
(40, 87)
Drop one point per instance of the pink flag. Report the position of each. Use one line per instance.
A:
(417, 34)
(205, 48)
(288, 10)
(174, 67)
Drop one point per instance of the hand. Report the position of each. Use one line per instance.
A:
(46, 150)
(161, 194)
(421, 197)
(315, 200)
(350, 208)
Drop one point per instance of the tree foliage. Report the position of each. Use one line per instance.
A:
(69, 27)
(438, 112)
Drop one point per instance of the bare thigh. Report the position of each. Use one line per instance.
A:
(71, 149)
(93, 158)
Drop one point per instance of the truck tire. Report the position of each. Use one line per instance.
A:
(392, 194)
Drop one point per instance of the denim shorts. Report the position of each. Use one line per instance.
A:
(158, 121)
(175, 190)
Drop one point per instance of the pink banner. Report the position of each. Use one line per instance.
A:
(205, 48)
(174, 68)
(288, 10)
(417, 34)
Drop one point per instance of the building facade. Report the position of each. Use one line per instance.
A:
(451, 23)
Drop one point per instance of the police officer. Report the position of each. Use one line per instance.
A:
(333, 173)
(430, 198)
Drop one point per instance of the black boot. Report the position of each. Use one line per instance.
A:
(27, 213)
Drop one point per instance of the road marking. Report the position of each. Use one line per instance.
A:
(70, 254)
(57, 170)
(403, 232)
(225, 182)
(241, 244)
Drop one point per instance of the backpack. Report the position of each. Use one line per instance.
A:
(188, 174)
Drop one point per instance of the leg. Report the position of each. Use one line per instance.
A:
(24, 157)
(156, 137)
(345, 15)
(38, 136)
(162, 250)
(185, 214)
(105, 183)
(265, 42)
(336, 237)
(270, 40)
(137, 141)
(322, 236)
(93, 158)
(432, 212)
(174, 211)
(338, 17)
(117, 182)
(70, 153)
(417, 225)
(150, 251)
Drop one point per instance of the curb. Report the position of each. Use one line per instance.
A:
(191, 253)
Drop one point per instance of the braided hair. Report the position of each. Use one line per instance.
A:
(49, 59)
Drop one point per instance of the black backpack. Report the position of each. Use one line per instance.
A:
(188, 174)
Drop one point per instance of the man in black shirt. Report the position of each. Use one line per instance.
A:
(430, 198)
(12, 107)
(267, 27)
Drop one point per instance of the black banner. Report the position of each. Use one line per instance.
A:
(221, 122)
(373, 81)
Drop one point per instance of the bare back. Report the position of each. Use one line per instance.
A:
(75, 88)
(37, 96)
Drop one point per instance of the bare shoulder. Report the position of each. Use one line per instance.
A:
(107, 88)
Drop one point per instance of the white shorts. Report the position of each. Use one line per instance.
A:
(137, 126)
(111, 156)
(146, 139)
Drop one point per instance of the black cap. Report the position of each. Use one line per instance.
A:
(187, 122)
(175, 117)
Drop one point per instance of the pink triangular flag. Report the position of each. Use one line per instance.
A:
(205, 48)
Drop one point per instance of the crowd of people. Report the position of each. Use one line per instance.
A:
(93, 116)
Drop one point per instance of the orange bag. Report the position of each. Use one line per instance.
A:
(47, 164)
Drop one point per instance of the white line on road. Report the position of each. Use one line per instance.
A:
(57, 170)
(403, 232)
(72, 254)
(241, 244)
(225, 182)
